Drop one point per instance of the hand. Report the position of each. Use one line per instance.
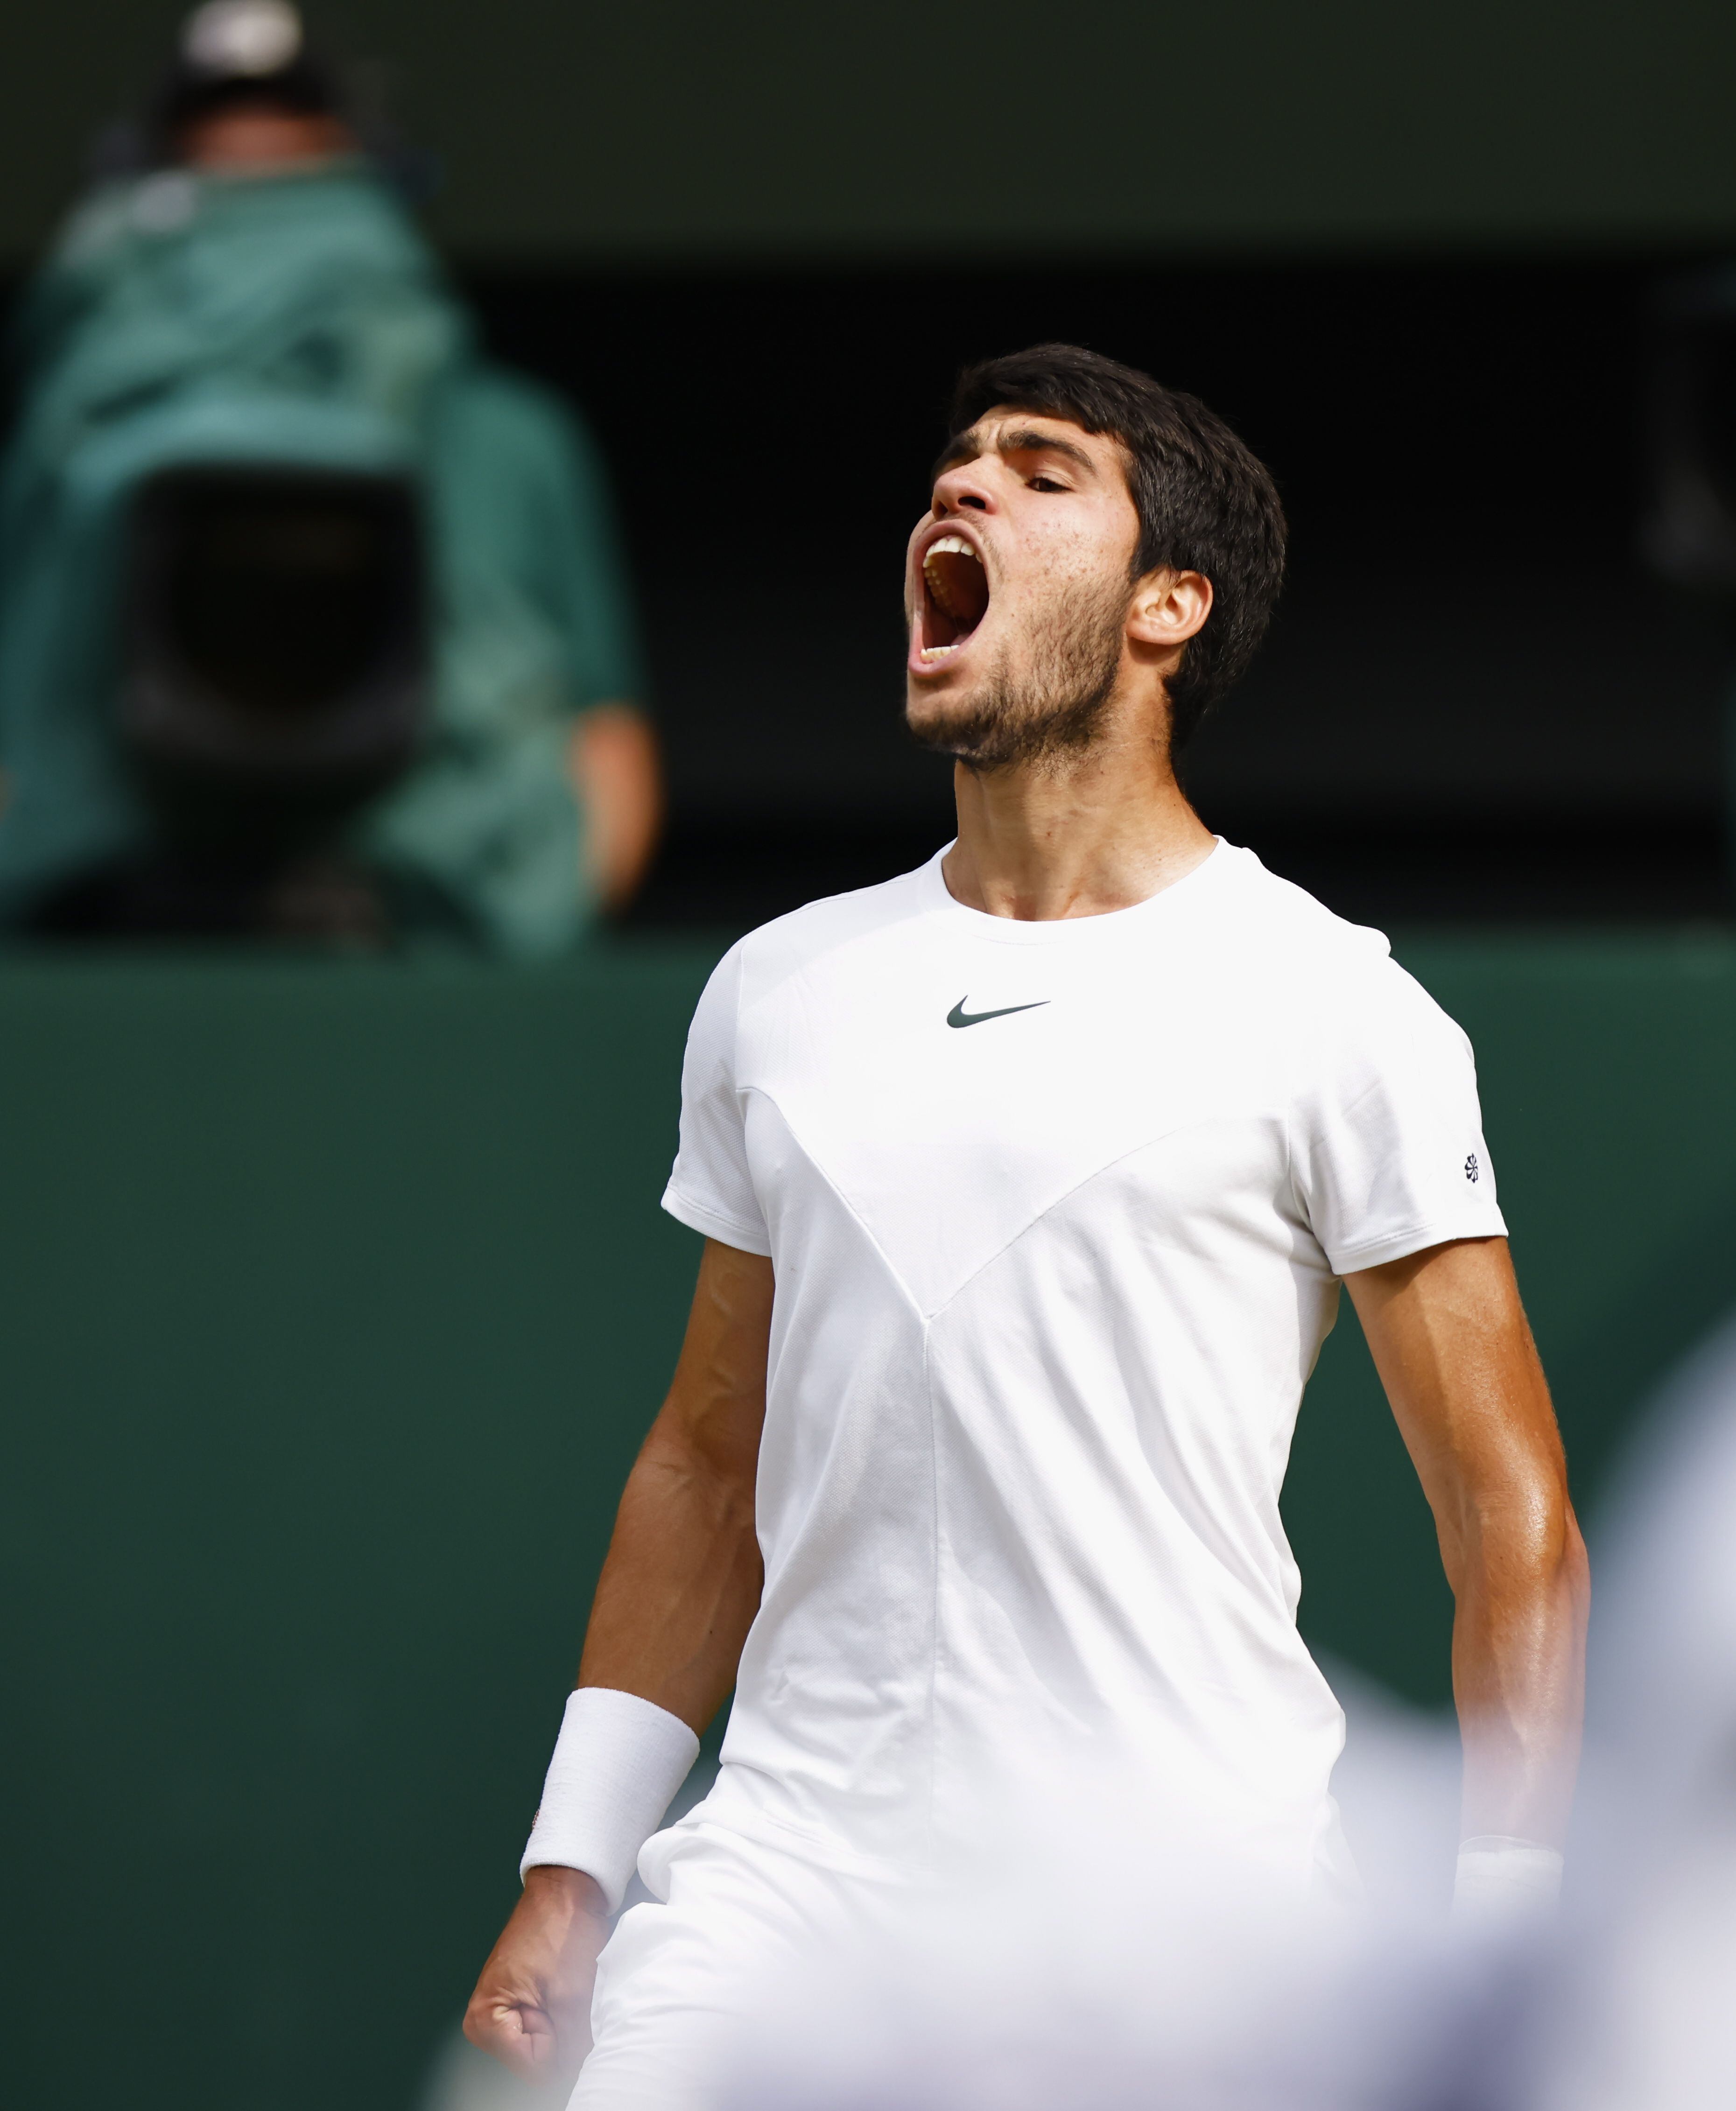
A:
(532, 2006)
(618, 781)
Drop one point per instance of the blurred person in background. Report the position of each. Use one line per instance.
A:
(313, 621)
(1028, 1181)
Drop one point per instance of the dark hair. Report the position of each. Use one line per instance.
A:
(1205, 502)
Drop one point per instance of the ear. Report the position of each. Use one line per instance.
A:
(1168, 608)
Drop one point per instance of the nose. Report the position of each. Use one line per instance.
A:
(963, 486)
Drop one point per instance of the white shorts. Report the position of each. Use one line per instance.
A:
(752, 1948)
(680, 1976)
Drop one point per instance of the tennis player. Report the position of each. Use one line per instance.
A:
(1029, 1181)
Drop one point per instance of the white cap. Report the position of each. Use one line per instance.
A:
(248, 38)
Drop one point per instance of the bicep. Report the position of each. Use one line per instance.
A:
(1450, 1340)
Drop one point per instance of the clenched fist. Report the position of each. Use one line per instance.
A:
(532, 2005)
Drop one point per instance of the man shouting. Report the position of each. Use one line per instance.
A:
(1028, 1181)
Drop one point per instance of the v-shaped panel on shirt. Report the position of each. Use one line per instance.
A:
(947, 1137)
(938, 1219)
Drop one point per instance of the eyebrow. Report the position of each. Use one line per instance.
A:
(1022, 439)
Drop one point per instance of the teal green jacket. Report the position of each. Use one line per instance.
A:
(301, 319)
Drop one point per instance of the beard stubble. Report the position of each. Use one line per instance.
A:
(1056, 708)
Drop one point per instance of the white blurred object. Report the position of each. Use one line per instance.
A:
(244, 37)
(1141, 1982)
(1502, 1882)
(1662, 1690)
(1397, 1786)
(1646, 2021)
(463, 2079)
(1115, 1949)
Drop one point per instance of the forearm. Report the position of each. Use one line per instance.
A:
(679, 1590)
(681, 1583)
(1522, 1590)
(1450, 1340)
(679, 1587)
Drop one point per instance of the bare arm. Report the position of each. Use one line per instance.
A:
(681, 1584)
(1450, 1342)
(618, 781)
(678, 1592)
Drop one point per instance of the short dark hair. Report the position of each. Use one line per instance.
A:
(1205, 501)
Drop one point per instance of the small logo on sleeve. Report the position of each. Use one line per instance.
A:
(1473, 1171)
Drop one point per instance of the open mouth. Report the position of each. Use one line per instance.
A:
(955, 598)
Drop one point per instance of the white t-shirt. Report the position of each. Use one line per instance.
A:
(1058, 1212)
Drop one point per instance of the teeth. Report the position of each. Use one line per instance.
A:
(937, 651)
(948, 546)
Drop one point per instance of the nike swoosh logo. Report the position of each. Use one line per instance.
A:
(958, 1016)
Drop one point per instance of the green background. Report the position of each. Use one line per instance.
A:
(669, 128)
(335, 1300)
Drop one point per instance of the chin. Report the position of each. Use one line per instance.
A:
(936, 720)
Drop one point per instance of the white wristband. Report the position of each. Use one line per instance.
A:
(618, 1762)
(1502, 1882)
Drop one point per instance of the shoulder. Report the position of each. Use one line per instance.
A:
(1275, 918)
(789, 950)
(1323, 970)
(764, 974)
(805, 936)
(1266, 912)
(514, 406)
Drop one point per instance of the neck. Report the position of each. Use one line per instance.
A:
(1102, 831)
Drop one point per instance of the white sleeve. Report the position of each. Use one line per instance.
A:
(1387, 1146)
(710, 1189)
